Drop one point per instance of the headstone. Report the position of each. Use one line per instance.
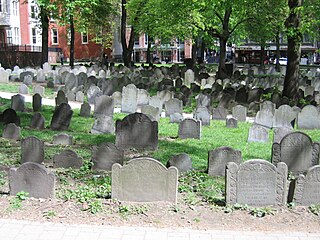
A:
(156, 102)
(256, 183)
(137, 131)
(39, 89)
(264, 118)
(93, 93)
(307, 187)
(144, 180)
(80, 96)
(142, 97)
(105, 155)
(202, 114)
(62, 139)
(173, 106)
(152, 112)
(219, 113)
(240, 113)
(117, 97)
(85, 110)
(37, 121)
(129, 99)
(279, 133)
(103, 125)
(17, 102)
(10, 116)
(297, 151)
(189, 77)
(4, 76)
(258, 133)
(61, 117)
(219, 158)
(61, 98)
(189, 128)
(11, 131)
(181, 161)
(23, 89)
(231, 123)
(176, 118)
(104, 106)
(309, 118)
(268, 106)
(71, 81)
(27, 80)
(67, 159)
(32, 150)
(283, 117)
(32, 178)
(36, 102)
(41, 77)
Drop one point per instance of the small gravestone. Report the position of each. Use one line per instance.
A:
(37, 121)
(104, 106)
(41, 77)
(138, 131)
(190, 128)
(103, 125)
(105, 155)
(258, 133)
(71, 96)
(279, 133)
(62, 139)
(32, 178)
(4, 76)
(17, 102)
(256, 183)
(36, 102)
(240, 113)
(156, 102)
(296, 150)
(309, 118)
(283, 117)
(129, 99)
(10, 116)
(264, 118)
(144, 180)
(219, 113)
(231, 123)
(176, 118)
(142, 97)
(117, 97)
(219, 158)
(85, 110)
(67, 159)
(23, 89)
(39, 89)
(27, 80)
(181, 161)
(307, 187)
(203, 100)
(152, 112)
(268, 106)
(202, 114)
(173, 106)
(61, 98)
(11, 131)
(80, 96)
(61, 117)
(32, 150)
(189, 77)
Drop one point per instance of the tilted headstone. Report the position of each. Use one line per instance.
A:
(181, 161)
(61, 117)
(103, 125)
(258, 133)
(11, 131)
(104, 106)
(189, 128)
(37, 121)
(307, 187)
(264, 118)
(219, 158)
(17, 102)
(219, 113)
(105, 155)
(32, 178)
(62, 139)
(85, 110)
(202, 114)
(36, 102)
(32, 150)
(61, 98)
(256, 183)
(23, 89)
(309, 118)
(129, 99)
(144, 180)
(231, 123)
(137, 131)
(297, 151)
(283, 116)
(240, 113)
(279, 133)
(67, 159)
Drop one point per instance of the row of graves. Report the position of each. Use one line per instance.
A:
(255, 182)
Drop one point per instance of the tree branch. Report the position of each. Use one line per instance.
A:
(238, 23)
(219, 16)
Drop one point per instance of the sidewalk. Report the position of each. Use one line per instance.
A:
(25, 230)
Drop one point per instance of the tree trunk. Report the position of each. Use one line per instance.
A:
(262, 54)
(222, 70)
(45, 29)
(291, 81)
(194, 54)
(149, 52)
(71, 42)
(127, 49)
(278, 52)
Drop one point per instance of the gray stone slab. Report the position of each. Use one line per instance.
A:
(67, 159)
(309, 118)
(258, 133)
(85, 110)
(63, 139)
(32, 150)
(11, 131)
(189, 128)
(61, 117)
(37, 121)
(105, 155)
(181, 161)
(103, 125)
(104, 106)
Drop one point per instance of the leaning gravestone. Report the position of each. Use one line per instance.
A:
(258, 133)
(309, 118)
(231, 123)
(37, 121)
(181, 161)
(219, 158)
(104, 106)
(283, 116)
(219, 113)
(129, 99)
(240, 113)
(105, 155)
(61, 98)
(32, 178)
(307, 187)
(256, 183)
(103, 125)
(62, 139)
(10, 116)
(36, 102)
(202, 114)
(11, 131)
(138, 131)
(189, 128)
(264, 118)
(61, 117)
(85, 110)
(297, 151)
(32, 150)
(17, 102)
(144, 180)
(67, 159)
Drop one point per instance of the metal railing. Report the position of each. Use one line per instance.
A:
(5, 47)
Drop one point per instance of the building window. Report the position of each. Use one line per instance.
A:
(33, 11)
(84, 38)
(9, 36)
(1, 7)
(34, 36)
(54, 33)
(15, 5)
(16, 35)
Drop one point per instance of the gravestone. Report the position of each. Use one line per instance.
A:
(105, 155)
(256, 183)
(27, 80)
(39, 89)
(62, 139)
(181, 161)
(10, 116)
(36, 102)
(219, 113)
(70, 81)
(297, 151)
(71, 96)
(4, 76)
(258, 133)
(37, 121)
(104, 106)
(32, 178)
(129, 99)
(173, 106)
(117, 97)
(176, 118)
(144, 180)
(32, 150)
(80, 96)
(240, 113)
(219, 158)
(103, 125)
(61, 117)
(41, 77)
(92, 93)
(85, 110)
(307, 187)
(231, 123)
(203, 100)
(268, 105)
(61, 98)
(137, 131)
(279, 133)
(283, 116)
(202, 114)
(142, 97)
(11, 131)
(23, 89)
(264, 118)
(17, 102)
(309, 118)
(189, 128)
(156, 102)
(189, 77)
(67, 159)
(152, 112)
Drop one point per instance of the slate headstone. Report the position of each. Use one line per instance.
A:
(32, 150)
(11, 131)
(37, 121)
(219, 113)
(85, 110)
(181, 161)
(189, 128)
(202, 114)
(17, 103)
(231, 123)
(258, 133)
(62, 139)
(105, 155)
(67, 159)
(104, 106)
(103, 125)
(240, 113)
(61, 117)
(36, 102)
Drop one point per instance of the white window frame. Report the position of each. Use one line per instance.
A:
(16, 35)
(15, 5)
(34, 35)
(33, 11)
(9, 36)
(84, 35)
(54, 34)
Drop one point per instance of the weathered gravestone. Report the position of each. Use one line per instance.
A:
(144, 180)
(219, 113)
(181, 161)
(297, 151)
(309, 118)
(203, 100)
(41, 77)
(256, 183)
(258, 133)
(85, 110)
(264, 118)
(10, 116)
(17, 102)
(231, 123)
(67, 159)
(240, 113)
(92, 93)
(11, 131)
(104, 106)
(129, 99)
(32, 178)
(105, 155)
(268, 106)
(189, 128)
(23, 89)
(152, 112)
(70, 81)
(283, 117)
(36, 102)
(176, 118)
(79, 96)
(219, 158)
(61, 117)
(156, 102)
(202, 114)
(279, 133)
(32, 150)
(37, 121)
(307, 187)
(103, 125)
(62, 139)
(173, 106)
(189, 77)
(4, 76)
(138, 131)
(39, 89)
(142, 97)
(61, 98)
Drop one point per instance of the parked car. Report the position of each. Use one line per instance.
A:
(283, 61)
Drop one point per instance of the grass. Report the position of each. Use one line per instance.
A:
(13, 87)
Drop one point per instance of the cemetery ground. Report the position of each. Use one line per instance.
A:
(84, 196)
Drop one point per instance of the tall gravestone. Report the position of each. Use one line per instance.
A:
(17, 102)
(104, 106)
(61, 117)
(36, 102)
(32, 150)
(256, 183)
(129, 99)
(105, 155)
(189, 128)
(144, 180)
